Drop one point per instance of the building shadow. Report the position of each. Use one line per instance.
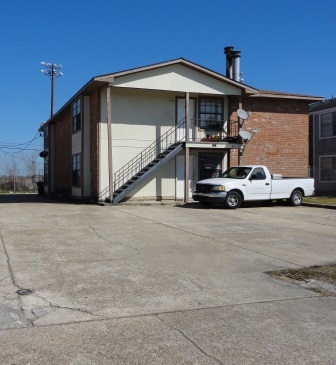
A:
(24, 198)
(38, 198)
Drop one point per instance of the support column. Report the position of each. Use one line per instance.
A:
(186, 164)
(109, 142)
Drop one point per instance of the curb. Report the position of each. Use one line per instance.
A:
(144, 203)
(314, 205)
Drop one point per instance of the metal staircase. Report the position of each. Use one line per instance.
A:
(145, 164)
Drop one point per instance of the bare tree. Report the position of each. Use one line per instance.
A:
(32, 169)
(12, 172)
(21, 172)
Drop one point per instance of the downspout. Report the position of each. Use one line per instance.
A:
(186, 164)
(109, 142)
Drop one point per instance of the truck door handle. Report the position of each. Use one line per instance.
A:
(267, 184)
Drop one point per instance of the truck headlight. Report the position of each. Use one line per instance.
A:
(218, 188)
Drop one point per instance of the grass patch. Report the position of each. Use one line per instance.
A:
(325, 276)
(327, 200)
(325, 273)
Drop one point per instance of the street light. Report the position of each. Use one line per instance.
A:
(52, 73)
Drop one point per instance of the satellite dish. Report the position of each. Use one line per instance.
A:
(245, 135)
(44, 154)
(242, 114)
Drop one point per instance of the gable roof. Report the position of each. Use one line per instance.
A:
(181, 61)
(97, 81)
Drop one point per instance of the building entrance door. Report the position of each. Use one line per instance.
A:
(180, 163)
(181, 116)
(210, 165)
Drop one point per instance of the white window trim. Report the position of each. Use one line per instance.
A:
(322, 181)
(326, 111)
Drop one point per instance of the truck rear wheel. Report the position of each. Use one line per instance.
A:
(296, 198)
(233, 200)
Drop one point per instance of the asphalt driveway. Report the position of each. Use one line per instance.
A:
(162, 284)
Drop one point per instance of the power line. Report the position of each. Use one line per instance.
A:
(13, 154)
(12, 144)
(30, 142)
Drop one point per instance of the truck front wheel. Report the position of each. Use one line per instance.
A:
(233, 200)
(296, 198)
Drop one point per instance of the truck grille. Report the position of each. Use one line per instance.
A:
(203, 188)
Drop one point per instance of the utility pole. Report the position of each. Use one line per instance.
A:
(52, 73)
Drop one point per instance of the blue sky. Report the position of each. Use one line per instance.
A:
(286, 45)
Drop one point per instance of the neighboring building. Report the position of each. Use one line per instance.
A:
(323, 126)
(131, 134)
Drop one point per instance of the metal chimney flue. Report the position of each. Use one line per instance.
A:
(229, 71)
(236, 65)
(232, 63)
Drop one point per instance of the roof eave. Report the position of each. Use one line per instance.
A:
(281, 95)
(88, 86)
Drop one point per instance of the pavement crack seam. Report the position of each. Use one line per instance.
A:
(20, 311)
(190, 340)
(116, 243)
(69, 308)
(8, 262)
(200, 287)
(3, 279)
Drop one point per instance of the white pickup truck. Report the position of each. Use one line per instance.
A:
(251, 183)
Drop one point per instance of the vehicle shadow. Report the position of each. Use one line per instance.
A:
(257, 204)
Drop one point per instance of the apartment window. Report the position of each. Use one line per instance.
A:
(328, 125)
(211, 113)
(328, 168)
(76, 170)
(76, 116)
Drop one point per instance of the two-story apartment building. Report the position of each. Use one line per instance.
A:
(323, 127)
(154, 131)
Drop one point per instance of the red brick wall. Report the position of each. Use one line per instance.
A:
(63, 163)
(281, 137)
(63, 148)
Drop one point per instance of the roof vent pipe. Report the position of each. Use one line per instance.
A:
(228, 51)
(232, 63)
(236, 65)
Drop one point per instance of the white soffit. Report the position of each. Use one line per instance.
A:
(175, 78)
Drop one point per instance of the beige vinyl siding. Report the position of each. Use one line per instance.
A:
(176, 78)
(133, 129)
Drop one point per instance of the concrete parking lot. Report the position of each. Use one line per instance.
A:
(162, 284)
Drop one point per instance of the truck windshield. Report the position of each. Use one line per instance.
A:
(237, 172)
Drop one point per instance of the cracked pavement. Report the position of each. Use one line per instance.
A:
(162, 284)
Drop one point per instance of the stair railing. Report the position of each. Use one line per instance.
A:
(150, 153)
(145, 157)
